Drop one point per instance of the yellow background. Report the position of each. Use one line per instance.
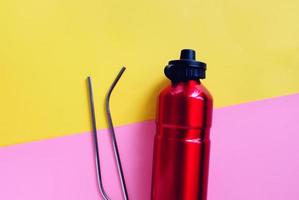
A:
(49, 47)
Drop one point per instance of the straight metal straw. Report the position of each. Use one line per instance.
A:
(95, 140)
(114, 142)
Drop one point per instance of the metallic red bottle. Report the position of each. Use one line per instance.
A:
(182, 142)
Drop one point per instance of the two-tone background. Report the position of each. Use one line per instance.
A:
(49, 47)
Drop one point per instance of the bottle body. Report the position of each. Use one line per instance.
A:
(182, 142)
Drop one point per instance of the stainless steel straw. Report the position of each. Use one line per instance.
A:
(95, 140)
(114, 142)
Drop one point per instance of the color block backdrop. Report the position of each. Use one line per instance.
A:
(49, 47)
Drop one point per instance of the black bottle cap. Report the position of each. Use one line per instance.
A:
(186, 68)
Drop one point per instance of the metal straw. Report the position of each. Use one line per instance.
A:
(114, 142)
(95, 140)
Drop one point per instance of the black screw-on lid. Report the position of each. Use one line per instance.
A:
(187, 68)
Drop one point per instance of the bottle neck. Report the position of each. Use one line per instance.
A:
(189, 82)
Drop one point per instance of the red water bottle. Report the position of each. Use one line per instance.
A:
(182, 141)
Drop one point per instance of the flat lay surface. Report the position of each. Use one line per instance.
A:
(49, 47)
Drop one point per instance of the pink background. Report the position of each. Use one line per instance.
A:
(254, 156)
